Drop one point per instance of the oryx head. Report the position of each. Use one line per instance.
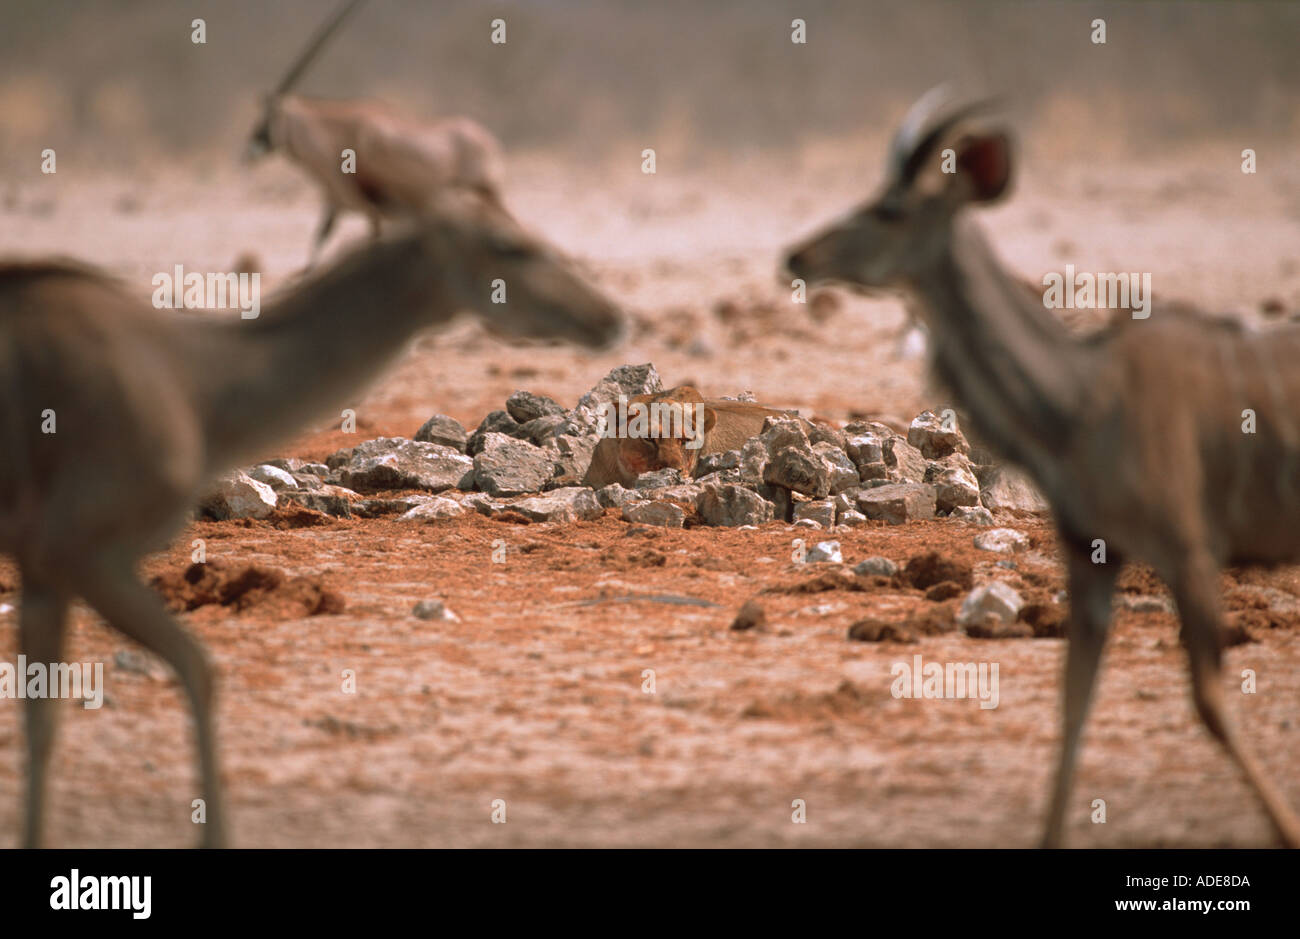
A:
(262, 140)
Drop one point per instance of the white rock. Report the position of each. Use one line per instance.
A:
(975, 514)
(824, 552)
(935, 437)
(645, 512)
(1003, 488)
(954, 486)
(482, 503)
(571, 504)
(238, 495)
(273, 476)
(913, 344)
(1004, 540)
(509, 467)
(614, 495)
(995, 599)
(437, 507)
(436, 610)
(733, 506)
(398, 463)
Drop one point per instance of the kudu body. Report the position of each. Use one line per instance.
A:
(1135, 436)
(149, 407)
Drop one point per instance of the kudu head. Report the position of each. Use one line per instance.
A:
(903, 230)
(517, 283)
(263, 138)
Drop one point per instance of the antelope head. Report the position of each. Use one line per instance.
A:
(518, 284)
(262, 140)
(901, 231)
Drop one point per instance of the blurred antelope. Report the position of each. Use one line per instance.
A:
(401, 163)
(151, 407)
(1135, 436)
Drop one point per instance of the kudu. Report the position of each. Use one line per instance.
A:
(1135, 436)
(401, 164)
(726, 425)
(149, 407)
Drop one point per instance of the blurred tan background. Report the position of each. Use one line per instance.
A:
(1129, 159)
(121, 82)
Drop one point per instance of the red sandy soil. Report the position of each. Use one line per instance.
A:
(535, 696)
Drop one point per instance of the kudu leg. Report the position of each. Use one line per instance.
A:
(1091, 588)
(134, 610)
(1197, 593)
(41, 629)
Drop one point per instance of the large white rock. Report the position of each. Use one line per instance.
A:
(994, 601)
(238, 495)
(827, 552)
(574, 503)
(398, 463)
(1003, 488)
(437, 507)
(273, 476)
(1004, 540)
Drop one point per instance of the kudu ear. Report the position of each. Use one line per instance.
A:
(984, 161)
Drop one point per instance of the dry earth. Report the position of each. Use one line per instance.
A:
(535, 696)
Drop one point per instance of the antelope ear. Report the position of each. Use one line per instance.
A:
(710, 419)
(985, 161)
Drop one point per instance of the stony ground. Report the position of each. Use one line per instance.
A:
(537, 694)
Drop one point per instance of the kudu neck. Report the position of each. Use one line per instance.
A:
(313, 348)
(1011, 364)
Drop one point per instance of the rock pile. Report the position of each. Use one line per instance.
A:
(529, 458)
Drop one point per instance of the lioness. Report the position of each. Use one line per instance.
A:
(726, 426)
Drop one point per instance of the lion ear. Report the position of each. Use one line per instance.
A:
(710, 419)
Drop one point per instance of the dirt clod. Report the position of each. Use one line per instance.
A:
(874, 630)
(923, 571)
(243, 589)
(751, 616)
